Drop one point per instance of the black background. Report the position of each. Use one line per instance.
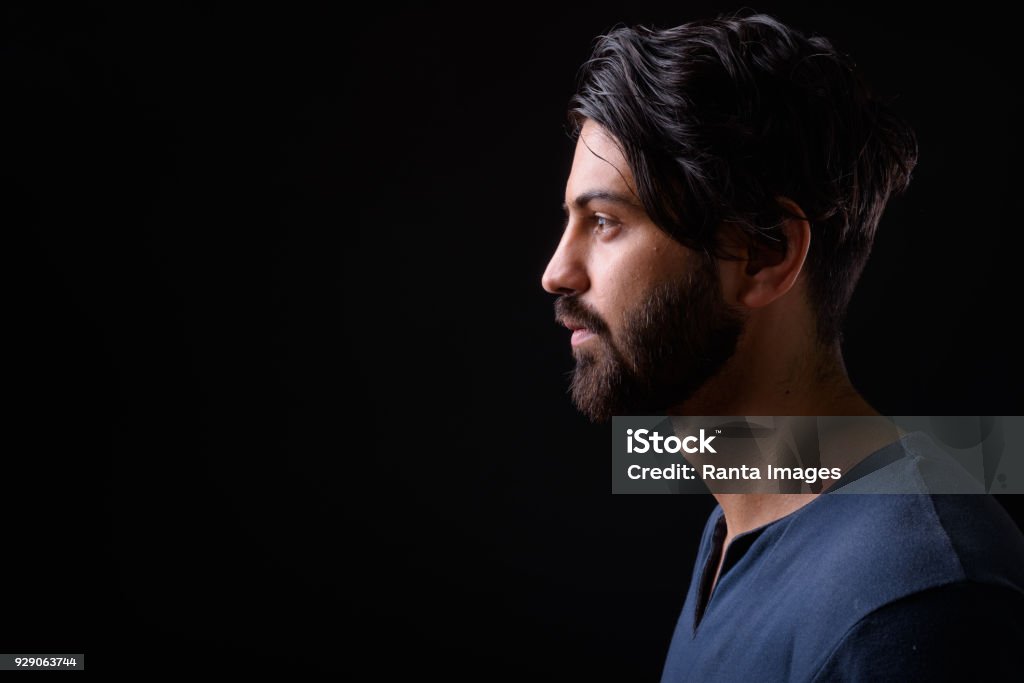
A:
(286, 388)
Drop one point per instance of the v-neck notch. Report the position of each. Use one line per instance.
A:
(734, 552)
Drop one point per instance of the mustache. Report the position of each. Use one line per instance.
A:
(570, 309)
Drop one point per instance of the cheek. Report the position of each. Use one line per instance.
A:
(621, 279)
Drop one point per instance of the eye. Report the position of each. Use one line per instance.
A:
(605, 226)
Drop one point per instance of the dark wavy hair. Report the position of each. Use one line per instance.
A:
(718, 117)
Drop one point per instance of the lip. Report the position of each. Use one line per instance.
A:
(580, 335)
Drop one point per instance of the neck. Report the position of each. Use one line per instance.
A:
(808, 380)
(812, 382)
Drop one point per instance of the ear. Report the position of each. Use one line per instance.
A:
(773, 267)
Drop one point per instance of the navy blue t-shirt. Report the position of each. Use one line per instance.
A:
(861, 587)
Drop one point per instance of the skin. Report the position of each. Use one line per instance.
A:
(610, 253)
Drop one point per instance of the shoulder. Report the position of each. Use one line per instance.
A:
(958, 631)
(883, 546)
(986, 541)
(918, 521)
(878, 564)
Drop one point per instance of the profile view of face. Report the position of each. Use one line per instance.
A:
(649, 322)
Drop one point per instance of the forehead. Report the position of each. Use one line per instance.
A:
(598, 163)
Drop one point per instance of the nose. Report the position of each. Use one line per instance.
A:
(566, 272)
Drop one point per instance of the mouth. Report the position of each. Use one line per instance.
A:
(580, 334)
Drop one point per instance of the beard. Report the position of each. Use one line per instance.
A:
(673, 341)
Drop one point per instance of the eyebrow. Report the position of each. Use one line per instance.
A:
(606, 195)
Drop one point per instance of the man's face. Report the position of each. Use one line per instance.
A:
(650, 324)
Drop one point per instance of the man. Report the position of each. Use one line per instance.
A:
(728, 179)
